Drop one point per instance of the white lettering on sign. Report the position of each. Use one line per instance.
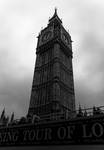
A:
(31, 135)
(70, 131)
(37, 134)
(48, 134)
(97, 130)
(61, 133)
(53, 134)
(86, 132)
(9, 136)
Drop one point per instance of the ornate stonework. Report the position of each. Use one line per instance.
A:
(53, 86)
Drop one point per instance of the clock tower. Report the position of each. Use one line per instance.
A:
(53, 86)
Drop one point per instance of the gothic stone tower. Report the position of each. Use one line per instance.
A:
(53, 86)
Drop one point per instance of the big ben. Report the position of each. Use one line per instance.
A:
(53, 84)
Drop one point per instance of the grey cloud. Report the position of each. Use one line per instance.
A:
(15, 94)
(89, 52)
(19, 19)
(86, 96)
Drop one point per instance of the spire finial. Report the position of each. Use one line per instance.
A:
(55, 16)
(55, 10)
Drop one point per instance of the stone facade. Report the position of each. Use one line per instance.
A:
(53, 85)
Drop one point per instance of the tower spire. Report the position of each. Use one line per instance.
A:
(55, 17)
(55, 11)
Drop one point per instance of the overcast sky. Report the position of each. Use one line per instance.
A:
(20, 23)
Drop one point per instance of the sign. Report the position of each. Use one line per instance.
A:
(76, 131)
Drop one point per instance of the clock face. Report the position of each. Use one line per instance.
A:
(46, 36)
(65, 38)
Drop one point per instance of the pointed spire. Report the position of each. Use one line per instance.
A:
(12, 117)
(6, 120)
(55, 16)
(85, 112)
(3, 113)
(80, 113)
(55, 11)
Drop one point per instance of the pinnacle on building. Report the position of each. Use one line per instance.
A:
(53, 86)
